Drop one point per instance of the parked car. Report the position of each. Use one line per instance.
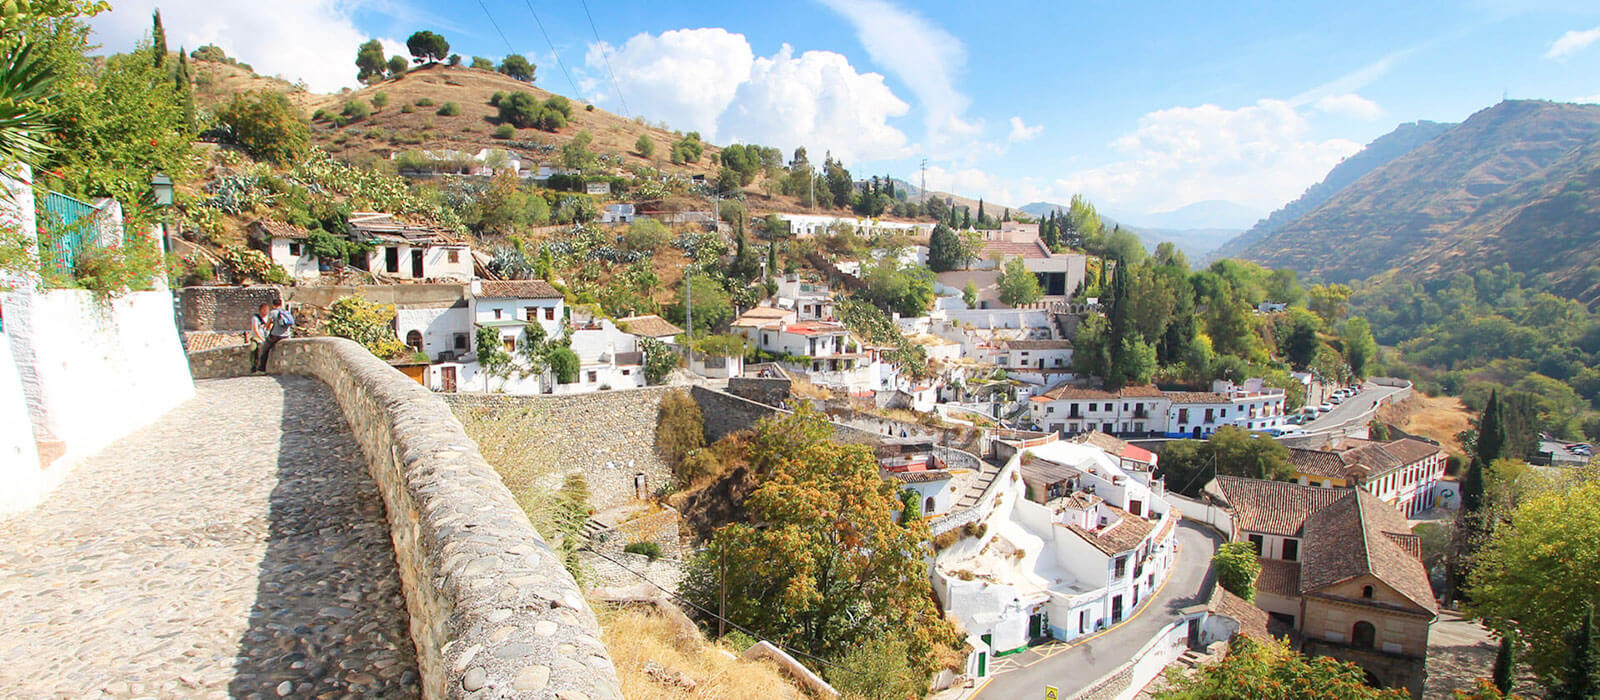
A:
(1325, 407)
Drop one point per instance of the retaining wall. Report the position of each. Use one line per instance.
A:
(223, 309)
(231, 361)
(725, 413)
(493, 611)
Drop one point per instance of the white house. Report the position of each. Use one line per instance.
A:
(1069, 409)
(935, 489)
(808, 225)
(286, 245)
(1074, 546)
(1035, 354)
(441, 329)
(507, 307)
(410, 251)
(1252, 406)
(608, 358)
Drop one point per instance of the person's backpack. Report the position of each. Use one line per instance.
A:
(281, 322)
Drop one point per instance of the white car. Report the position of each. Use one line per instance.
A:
(1325, 407)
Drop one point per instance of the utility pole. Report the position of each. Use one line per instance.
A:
(722, 595)
(924, 182)
(688, 312)
(811, 182)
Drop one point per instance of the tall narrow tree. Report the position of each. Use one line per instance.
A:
(1581, 663)
(1505, 663)
(158, 40)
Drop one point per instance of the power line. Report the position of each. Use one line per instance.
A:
(607, 57)
(496, 26)
(730, 623)
(552, 46)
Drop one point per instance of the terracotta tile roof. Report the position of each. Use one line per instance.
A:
(1372, 458)
(1081, 501)
(196, 341)
(1280, 578)
(1412, 450)
(922, 476)
(518, 289)
(280, 229)
(1124, 536)
(1318, 462)
(815, 328)
(1070, 391)
(1059, 344)
(648, 325)
(1116, 446)
(1197, 397)
(1252, 620)
(1350, 538)
(1271, 507)
(1411, 543)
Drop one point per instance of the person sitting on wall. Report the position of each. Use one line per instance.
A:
(281, 324)
(260, 324)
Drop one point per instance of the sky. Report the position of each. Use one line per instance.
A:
(1143, 110)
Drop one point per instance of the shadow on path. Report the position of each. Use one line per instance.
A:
(329, 617)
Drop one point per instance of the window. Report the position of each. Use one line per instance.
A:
(461, 341)
(1259, 542)
(1363, 635)
(510, 343)
(550, 313)
(1366, 592)
(414, 340)
(1183, 415)
(533, 313)
(453, 255)
(1083, 621)
(627, 372)
(593, 376)
(1121, 567)
(294, 248)
(1291, 550)
(927, 505)
(497, 314)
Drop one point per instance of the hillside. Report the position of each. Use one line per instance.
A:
(1194, 242)
(391, 129)
(1380, 152)
(1514, 183)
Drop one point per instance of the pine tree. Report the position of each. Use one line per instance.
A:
(158, 40)
(1505, 663)
(1581, 662)
(944, 249)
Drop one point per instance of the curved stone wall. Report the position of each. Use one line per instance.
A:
(493, 611)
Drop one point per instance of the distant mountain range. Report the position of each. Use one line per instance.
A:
(1516, 183)
(1195, 242)
(1377, 154)
(1209, 214)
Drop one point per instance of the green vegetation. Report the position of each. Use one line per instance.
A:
(874, 326)
(829, 570)
(268, 126)
(648, 549)
(366, 322)
(564, 364)
(1237, 568)
(518, 67)
(644, 146)
(427, 47)
(659, 360)
(1189, 464)
(680, 429)
(370, 63)
(449, 109)
(905, 289)
(524, 111)
(398, 66)
(687, 149)
(1272, 670)
(1018, 285)
(944, 250)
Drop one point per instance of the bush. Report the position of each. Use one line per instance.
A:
(505, 131)
(356, 110)
(588, 108)
(680, 428)
(320, 115)
(943, 540)
(424, 102)
(649, 549)
(646, 236)
(367, 323)
(494, 100)
(450, 109)
(564, 364)
(879, 669)
(1237, 568)
(379, 99)
(268, 126)
(407, 109)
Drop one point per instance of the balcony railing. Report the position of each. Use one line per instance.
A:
(68, 227)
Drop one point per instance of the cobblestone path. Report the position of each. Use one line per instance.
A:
(237, 547)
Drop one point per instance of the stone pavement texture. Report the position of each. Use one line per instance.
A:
(235, 548)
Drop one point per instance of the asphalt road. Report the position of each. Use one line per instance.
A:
(1356, 409)
(1071, 666)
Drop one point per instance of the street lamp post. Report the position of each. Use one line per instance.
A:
(161, 187)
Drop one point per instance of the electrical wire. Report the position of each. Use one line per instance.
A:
(604, 55)
(552, 46)
(496, 26)
(731, 623)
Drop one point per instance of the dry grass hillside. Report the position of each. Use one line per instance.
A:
(653, 661)
(1438, 418)
(473, 128)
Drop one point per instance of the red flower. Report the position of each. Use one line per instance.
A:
(152, 142)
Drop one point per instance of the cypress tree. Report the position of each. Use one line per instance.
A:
(772, 259)
(1505, 663)
(158, 40)
(980, 211)
(966, 213)
(1579, 683)
(1007, 215)
(1491, 431)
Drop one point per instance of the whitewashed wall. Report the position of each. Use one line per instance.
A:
(101, 370)
(19, 458)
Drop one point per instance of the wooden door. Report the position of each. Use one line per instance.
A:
(447, 379)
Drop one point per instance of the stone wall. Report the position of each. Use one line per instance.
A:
(611, 435)
(725, 413)
(493, 611)
(222, 309)
(232, 361)
(772, 391)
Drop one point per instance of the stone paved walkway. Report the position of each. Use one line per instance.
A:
(237, 547)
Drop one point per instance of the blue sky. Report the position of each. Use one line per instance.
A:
(1143, 109)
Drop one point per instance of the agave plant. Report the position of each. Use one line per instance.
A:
(25, 88)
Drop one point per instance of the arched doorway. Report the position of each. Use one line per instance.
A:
(1372, 679)
(1362, 635)
(414, 340)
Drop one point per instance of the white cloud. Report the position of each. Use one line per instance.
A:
(923, 56)
(1350, 105)
(710, 80)
(1023, 132)
(310, 40)
(1591, 99)
(684, 77)
(1258, 155)
(818, 100)
(1572, 42)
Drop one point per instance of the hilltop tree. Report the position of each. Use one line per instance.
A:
(398, 66)
(944, 249)
(428, 47)
(370, 63)
(518, 67)
(268, 126)
(209, 52)
(482, 63)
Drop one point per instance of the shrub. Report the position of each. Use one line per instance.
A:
(505, 131)
(320, 115)
(649, 549)
(680, 429)
(424, 102)
(356, 110)
(494, 100)
(365, 322)
(268, 126)
(450, 109)
(407, 109)
(943, 540)
(379, 99)
(974, 530)
(564, 364)
(588, 108)
(1237, 568)
(519, 109)
(646, 236)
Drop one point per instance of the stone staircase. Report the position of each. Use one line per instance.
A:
(1190, 659)
(986, 475)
